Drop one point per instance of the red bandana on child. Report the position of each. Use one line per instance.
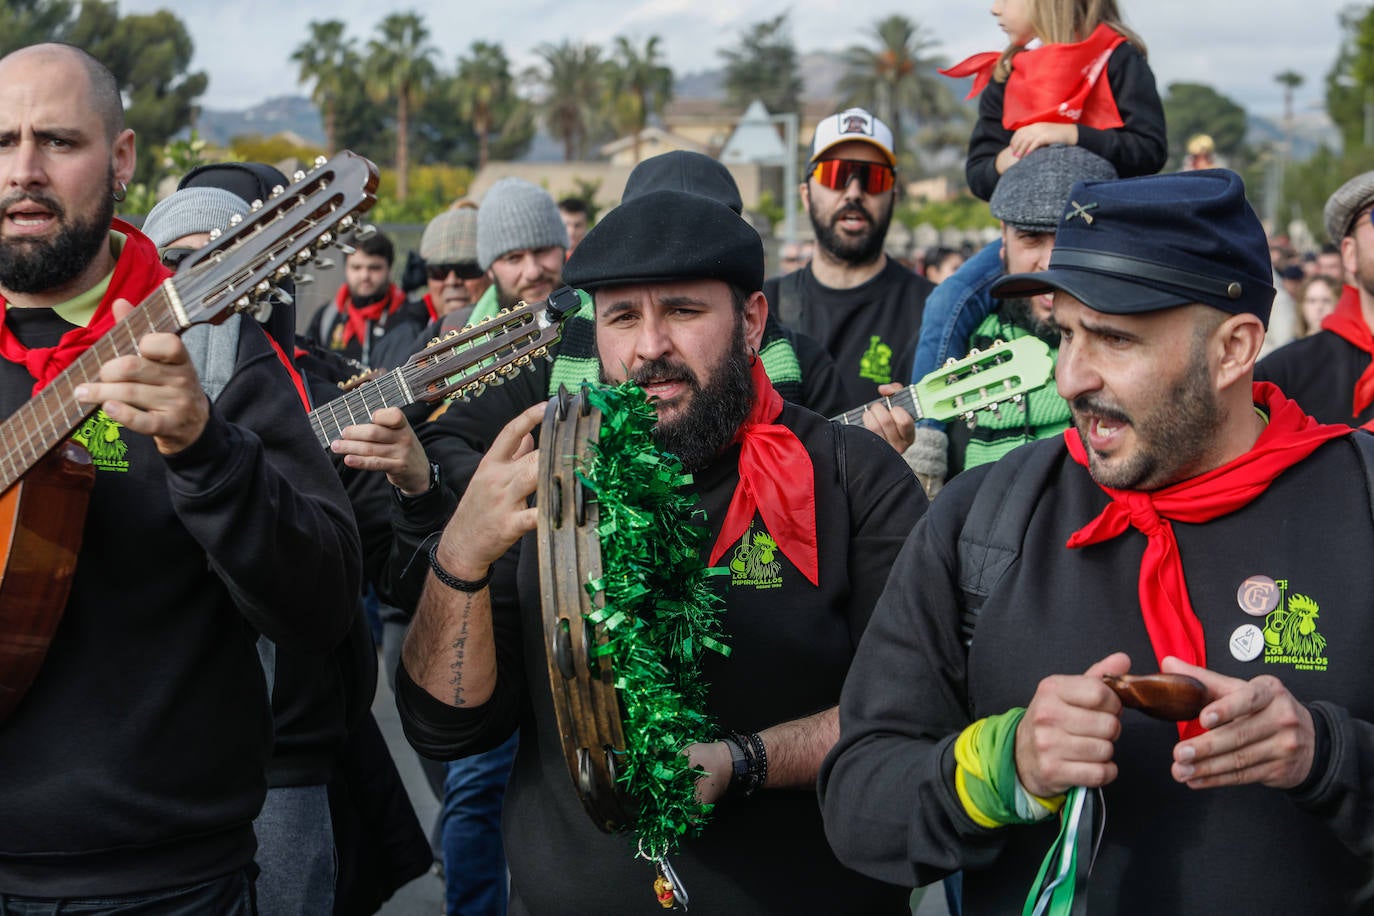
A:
(1055, 83)
(1347, 322)
(137, 273)
(777, 480)
(1174, 628)
(357, 318)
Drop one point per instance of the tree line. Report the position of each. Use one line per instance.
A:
(389, 96)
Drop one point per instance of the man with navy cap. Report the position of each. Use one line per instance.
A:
(676, 280)
(1176, 526)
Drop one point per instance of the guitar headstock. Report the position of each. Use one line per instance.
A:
(244, 260)
(462, 363)
(1006, 371)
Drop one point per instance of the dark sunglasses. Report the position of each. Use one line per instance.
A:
(836, 174)
(468, 271)
(172, 257)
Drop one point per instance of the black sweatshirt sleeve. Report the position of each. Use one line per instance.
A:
(887, 789)
(1139, 147)
(262, 499)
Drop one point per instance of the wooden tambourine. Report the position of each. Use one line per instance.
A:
(590, 719)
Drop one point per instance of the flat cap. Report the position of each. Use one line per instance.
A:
(451, 237)
(1143, 244)
(1343, 206)
(1030, 195)
(668, 235)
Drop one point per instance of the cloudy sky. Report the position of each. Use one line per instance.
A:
(1235, 46)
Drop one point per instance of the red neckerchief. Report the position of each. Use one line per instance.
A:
(137, 273)
(1347, 322)
(1174, 628)
(428, 300)
(357, 318)
(1054, 83)
(776, 479)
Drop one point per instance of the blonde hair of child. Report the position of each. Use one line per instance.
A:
(1065, 22)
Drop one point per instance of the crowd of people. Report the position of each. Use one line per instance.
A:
(928, 624)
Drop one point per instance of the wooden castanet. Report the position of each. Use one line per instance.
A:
(1171, 697)
(585, 701)
(42, 518)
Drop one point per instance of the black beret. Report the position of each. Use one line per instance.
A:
(664, 236)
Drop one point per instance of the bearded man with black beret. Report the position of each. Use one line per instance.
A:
(1180, 525)
(676, 279)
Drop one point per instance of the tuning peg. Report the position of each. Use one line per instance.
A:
(971, 419)
(324, 263)
(284, 270)
(346, 249)
(278, 190)
(216, 233)
(241, 303)
(283, 296)
(298, 175)
(262, 287)
(365, 231)
(235, 219)
(320, 162)
(325, 239)
(347, 222)
(262, 310)
(255, 206)
(304, 255)
(303, 279)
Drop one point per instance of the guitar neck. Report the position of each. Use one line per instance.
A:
(50, 416)
(905, 399)
(356, 406)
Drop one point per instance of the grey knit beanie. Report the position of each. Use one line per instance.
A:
(514, 215)
(191, 210)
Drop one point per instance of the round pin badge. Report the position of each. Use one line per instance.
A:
(1247, 642)
(1258, 595)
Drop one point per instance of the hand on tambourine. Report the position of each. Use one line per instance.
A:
(1257, 732)
(389, 445)
(495, 510)
(714, 760)
(156, 393)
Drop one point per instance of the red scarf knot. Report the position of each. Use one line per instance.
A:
(137, 273)
(358, 317)
(1173, 627)
(1055, 83)
(776, 480)
(1347, 322)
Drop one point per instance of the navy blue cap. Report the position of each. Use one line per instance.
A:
(1143, 244)
(663, 236)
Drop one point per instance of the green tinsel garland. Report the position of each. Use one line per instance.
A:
(660, 613)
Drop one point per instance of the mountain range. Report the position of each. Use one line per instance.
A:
(821, 72)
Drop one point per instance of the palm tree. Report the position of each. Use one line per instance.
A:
(1290, 81)
(483, 86)
(327, 59)
(400, 67)
(573, 91)
(896, 78)
(642, 85)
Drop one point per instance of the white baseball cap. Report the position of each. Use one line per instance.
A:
(855, 124)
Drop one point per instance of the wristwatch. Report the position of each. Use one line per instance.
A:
(404, 500)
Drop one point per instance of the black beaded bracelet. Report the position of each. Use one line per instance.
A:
(452, 581)
(753, 774)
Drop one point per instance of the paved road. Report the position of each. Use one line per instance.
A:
(425, 895)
